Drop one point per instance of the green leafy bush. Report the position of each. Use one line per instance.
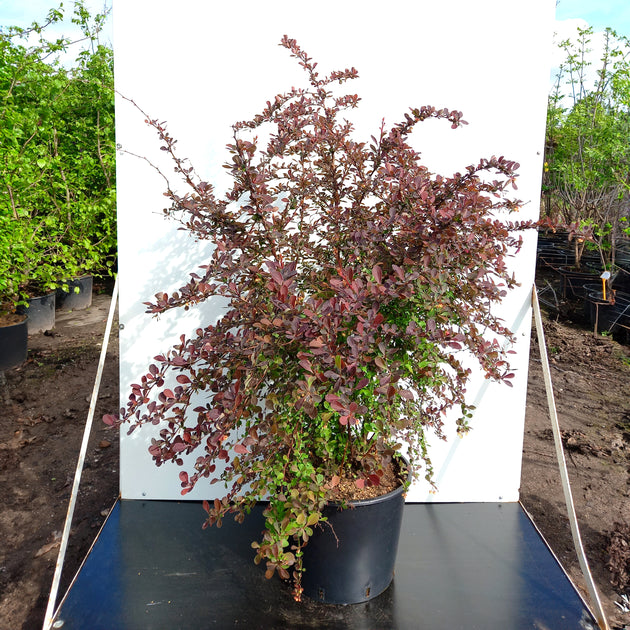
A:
(57, 158)
(587, 161)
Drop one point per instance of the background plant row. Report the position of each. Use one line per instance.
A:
(587, 152)
(57, 157)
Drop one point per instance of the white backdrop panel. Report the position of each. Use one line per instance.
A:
(201, 66)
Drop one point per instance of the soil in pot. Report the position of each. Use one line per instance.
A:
(350, 558)
(41, 313)
(13, 340)
(78, 296)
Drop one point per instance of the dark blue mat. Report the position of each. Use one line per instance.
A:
(470, 566)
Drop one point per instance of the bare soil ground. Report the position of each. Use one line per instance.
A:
(591, 378)
(43, 409)
(44, 405)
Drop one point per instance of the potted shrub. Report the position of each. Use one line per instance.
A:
(33, 259)
(38, 259)
(608, 310)
(358, 285)
(13, 325)
(43, 258)
(88, 130)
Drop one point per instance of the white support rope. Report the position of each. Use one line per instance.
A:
(48, 618)
(564, 475)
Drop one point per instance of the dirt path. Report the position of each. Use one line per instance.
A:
(45, 403)
(44, 408)
(591, 378)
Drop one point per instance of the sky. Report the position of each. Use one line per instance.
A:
(574, 14)
(24, 12)
(597, 13)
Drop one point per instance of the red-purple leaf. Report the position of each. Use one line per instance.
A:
(306, 364)
(334, 402)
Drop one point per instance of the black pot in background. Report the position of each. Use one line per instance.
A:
(41, 313)
(350, 559)
(621, 280)
(606, 316)
(553, 255)
(574, 282)
(13, 344)
(553, 238)
(79, 295)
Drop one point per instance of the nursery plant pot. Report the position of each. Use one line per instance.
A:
(13, 343)
(623, 255)
(607, 316)
(74, 300)
(552, 255)
(574, 282)
(350, 559)
(621, 280)
(41, 313)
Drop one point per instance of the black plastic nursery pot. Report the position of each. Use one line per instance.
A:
(13, 344)
(41, 313)
(78, 296)
(608, 316)
(350, 559)
(622, 279)
(553, 255)
(574, 283)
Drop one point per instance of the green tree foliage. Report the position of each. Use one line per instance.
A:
(57, 156)
(587, 166)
